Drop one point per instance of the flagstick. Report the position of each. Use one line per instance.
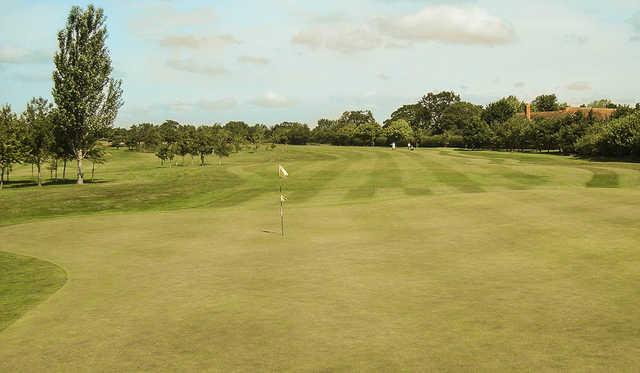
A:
(281, 211)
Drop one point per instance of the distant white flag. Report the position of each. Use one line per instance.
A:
(283, 198)
(282, 172)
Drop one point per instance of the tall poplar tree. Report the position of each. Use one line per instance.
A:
(87, 97)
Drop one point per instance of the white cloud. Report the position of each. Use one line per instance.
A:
(21, 55)
(450, 24)
(579, 86)
(201, 105)
(191, 66)
(344, 38)
(194, 42)
(161, 18)
(252, 60)
(272, 100)
(221, 104)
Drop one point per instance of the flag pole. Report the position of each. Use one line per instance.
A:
(281, 211)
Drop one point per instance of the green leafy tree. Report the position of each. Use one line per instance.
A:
(148, 136)
(368, 132)
(186, 142)
(546, 103)
(399, 131)
(97, 155)
(512, 134)
(501, 110)
(118, 137)
(168, 132)
(87, 97)
(239, 132)
(291, 133)
(433, 107)
(257, 135)
(413, 114)
(476, 134)
(604, 103)
(204, 142)
(10, 146)
(38, 140)
(458, 115)
(222, 144)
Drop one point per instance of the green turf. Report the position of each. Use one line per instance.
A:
(394, 260)
(25, 282)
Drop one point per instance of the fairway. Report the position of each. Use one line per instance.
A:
(433, 259)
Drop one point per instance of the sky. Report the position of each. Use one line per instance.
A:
(268, 61)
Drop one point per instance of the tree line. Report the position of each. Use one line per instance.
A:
(443, 119)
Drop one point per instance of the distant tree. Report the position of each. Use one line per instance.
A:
(161, 153)
(204, 142)
(168, 132)
(10, 146)
(368, 132)
(118, 137)
(257, 135)
(604, 103)
(544, 134)
(458, 115)
(324, 132)
(87, 97)
(476, 134)
(413, 114)
(222, 144)
(433, 107)
(186, 142)
(398, 131)
(132, 138)
(501, 110)
(512, 134)
(148, 135)
(38, 140)
(291, 133)
(239, 132)
(97, 155)
(546, 103)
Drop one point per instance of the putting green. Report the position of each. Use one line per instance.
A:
(433, 259)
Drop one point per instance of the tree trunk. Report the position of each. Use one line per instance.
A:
(219, 161)
(201, 160)
(2, 178)
(80, 174)
(64, 171)
(39, 175)
(93, 170)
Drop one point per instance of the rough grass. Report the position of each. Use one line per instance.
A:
(393, 261)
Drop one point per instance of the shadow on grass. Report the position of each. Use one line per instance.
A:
(29, 183)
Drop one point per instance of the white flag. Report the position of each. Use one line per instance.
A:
(283, 198)
(282, 172)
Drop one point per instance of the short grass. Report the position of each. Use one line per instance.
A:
(25, 282)
(394, 260)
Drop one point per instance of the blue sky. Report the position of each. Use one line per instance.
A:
(267, 61)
